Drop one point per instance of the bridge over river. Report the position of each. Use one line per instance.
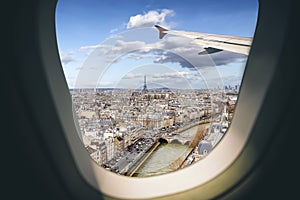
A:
(171, 151)
(185, 135)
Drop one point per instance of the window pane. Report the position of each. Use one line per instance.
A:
(153, 99)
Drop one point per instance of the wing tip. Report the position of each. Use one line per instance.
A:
(162, 30)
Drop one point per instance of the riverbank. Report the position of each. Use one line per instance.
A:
(142, 160)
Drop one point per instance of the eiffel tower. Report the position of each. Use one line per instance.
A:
(145, 90)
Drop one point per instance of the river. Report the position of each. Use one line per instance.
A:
(167, 157)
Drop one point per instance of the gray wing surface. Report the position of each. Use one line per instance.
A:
(212, 42)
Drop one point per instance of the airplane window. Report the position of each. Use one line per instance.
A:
(154, 83)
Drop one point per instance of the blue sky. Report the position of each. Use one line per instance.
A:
(84, 25)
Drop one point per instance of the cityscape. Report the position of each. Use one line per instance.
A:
(152, 131)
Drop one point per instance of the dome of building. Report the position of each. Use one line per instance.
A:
(204, 147)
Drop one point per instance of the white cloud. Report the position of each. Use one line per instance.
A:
(118, 48)
(116, 52)
(172, 49)
(150, 18)
(113, 30)
(91, 47)
(67, 58)
(171, 75)
(185, 52)
(133, 75)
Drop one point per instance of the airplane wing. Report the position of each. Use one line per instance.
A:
(213, 42)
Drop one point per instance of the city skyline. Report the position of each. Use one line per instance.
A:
(128, 132)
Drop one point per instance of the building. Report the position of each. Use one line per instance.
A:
(109, 142)
(119, 146)
(102, 153)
